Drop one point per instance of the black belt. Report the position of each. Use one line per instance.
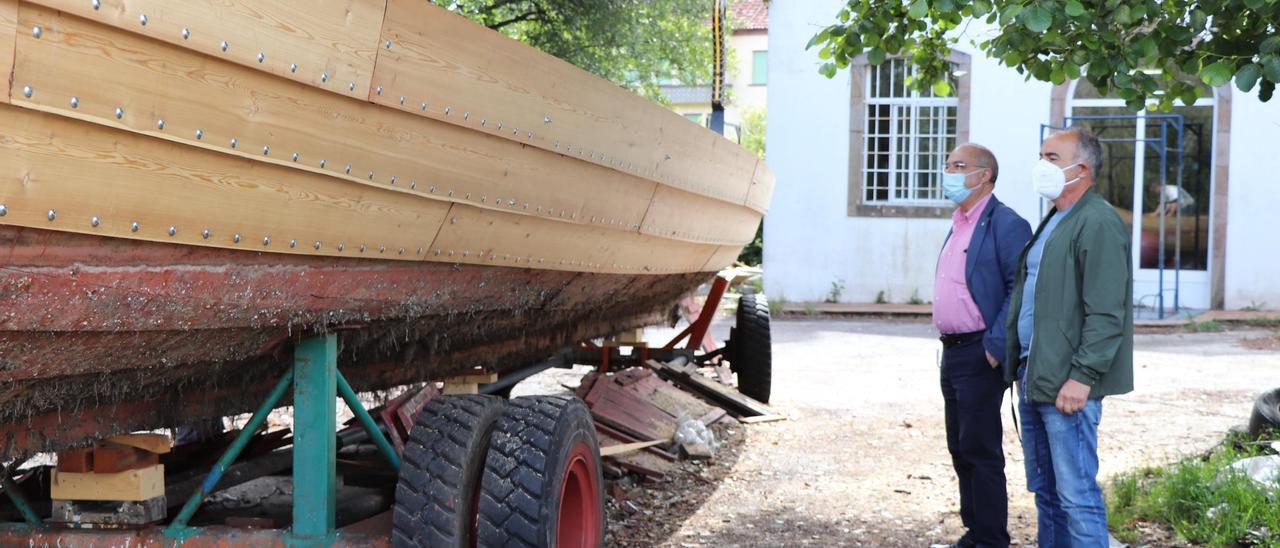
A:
(950, 340)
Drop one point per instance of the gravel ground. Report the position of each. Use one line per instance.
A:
(863, 460)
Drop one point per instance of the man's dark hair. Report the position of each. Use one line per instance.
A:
(985, 159)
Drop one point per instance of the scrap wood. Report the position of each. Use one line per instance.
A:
(717, 393)
(623, 448)
(607, 432)
(762, 418)
(713, 416)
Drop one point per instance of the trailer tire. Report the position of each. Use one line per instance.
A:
(542, 483)
(440, 474)
(1266, 414)
(751, 348)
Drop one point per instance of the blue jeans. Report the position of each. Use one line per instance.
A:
(1061, 453)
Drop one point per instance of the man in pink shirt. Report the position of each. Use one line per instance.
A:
(970, 304)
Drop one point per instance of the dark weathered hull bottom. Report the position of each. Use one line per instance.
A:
(101, 336)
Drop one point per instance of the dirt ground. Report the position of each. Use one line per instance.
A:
(863, 460)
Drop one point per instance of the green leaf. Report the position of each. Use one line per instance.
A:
(1270, 45)
(1247, 76)
(1216, 74)
(1271, 68)
(942, 88)
(1265, 90)
(876, 56)
(1122, 16)
(1190, 95)
(1011, 59)
(1058, 76)
(1075, 8)
(824, 53)
(1009, 13)
(1254, 4)
(981, 7)
(820, 37)
(945, 6)
(918, 9)
(1038, 19)
(1072, 70)
(828, 70)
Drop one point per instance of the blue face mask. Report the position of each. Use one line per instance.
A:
(953, 186)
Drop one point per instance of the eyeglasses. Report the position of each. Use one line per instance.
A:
(957, 166)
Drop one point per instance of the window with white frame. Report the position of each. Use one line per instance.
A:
(906, 138)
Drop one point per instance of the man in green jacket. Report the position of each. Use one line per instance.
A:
(1070, 336)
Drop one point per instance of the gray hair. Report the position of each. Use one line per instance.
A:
(1088, 148)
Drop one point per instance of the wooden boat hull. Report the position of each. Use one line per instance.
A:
(187, 187)
(140, 334)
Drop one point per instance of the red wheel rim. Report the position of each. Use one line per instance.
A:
(578, 525)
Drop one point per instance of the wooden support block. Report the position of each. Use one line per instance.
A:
(630, 337)
(132, 485)
(76, 460)
(153, 443)
(468, 384)
(109, 459)
(696, 450)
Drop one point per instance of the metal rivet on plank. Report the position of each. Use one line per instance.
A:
(95, 221)
(53, 214)
(160, 123)
(225, 45)
(186, 33)
(233, 142)
(236, 239)
(293, 67)
(119, 113)
(37, 32)
(266, 240)
(317, 245)
(293, 243)
(173, 230)
(75, 102)
(261, 57)
(26, 91)
(135, 226)
(142, 19)
(205, 234)
(199, 134)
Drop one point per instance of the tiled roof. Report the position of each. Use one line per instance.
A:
(750, 14)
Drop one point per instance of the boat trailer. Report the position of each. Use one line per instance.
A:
(453, 453)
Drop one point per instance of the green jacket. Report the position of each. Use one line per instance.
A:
(1083, 324)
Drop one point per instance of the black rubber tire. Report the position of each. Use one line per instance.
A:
(1266, 414)
(441, 471)
(751, 348)
(520, 499)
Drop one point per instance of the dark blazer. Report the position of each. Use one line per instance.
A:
(991, 263)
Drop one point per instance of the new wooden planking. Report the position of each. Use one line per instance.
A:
(723, 257)
(480, 236)
(329, 44)
(761, 188)
(272, 119)
(60, 174)
(451, 69)
(682, 215)
(8, 29)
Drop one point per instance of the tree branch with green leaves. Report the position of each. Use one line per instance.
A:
(1148, 52)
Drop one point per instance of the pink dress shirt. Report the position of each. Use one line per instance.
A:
(953, 308)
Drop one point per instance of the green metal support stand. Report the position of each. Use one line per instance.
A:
(315, 392)
(316, 387)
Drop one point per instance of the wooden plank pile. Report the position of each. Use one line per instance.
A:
(638, 412)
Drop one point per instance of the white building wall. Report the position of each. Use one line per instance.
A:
(1253, 225)
(810, 240)
(745, 95)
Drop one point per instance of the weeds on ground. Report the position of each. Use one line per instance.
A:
(1255, 306)
(1208, 326)
(1270, 323)
(810, 310)
(837, 289)
(777, 305)
(915, 297)
(880, 297)
(1199, 499)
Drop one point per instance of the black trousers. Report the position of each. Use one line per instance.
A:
(973, 391)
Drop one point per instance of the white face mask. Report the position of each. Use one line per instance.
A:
(1048, 179)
